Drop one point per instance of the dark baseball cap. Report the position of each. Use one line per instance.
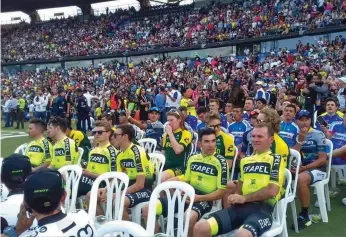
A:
(15, 168)
(43, 189)
(303, 113)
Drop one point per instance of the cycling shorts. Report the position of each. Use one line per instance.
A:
(254, 217)
(142, 195)
(317, 175)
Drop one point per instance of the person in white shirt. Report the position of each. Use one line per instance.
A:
(40, 103)
(6, 111)
(14, 169)
(260, 93)
(173, 98)
(44, 194)
(341, 81)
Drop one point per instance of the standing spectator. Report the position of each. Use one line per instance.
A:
(260, 93)
(59, 103)
(83, 111)
(20, 111)
(13, 109)
(40, 102)
(160, 101)
(6, 111)
(342, 93)
(143, 105)
(187, 102)
(89, 97)
(172, 100)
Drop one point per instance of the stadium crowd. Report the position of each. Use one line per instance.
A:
(131, 30)
(206, 115)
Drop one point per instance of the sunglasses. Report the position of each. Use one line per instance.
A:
(260, 121)
(174, 111)
(214, 126)
(98, 132)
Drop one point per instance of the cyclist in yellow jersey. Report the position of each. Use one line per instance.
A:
(65, 150)
(207, 172)
(134, 161)
(176, 145)
(102, 158)
(81, 140)
(256, 194)
(39, 151)
(224, 142)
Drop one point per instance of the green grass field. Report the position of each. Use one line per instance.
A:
(335, 227)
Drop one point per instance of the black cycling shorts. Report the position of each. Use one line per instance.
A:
(142, 195)
(254, 217)
(200, 207)
(85, 185)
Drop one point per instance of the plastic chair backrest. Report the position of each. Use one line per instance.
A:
(295, 155)
(279, 214)
(114, 181)
(330, 146)
(113, 228)
(181, 193)
(149, 144)
(194, 143)
(158, 161)
(21, 149)
(234, 161)
(81, 152)
(140, 134)
(72, 175)
(315, 119)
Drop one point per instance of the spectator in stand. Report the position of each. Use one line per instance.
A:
(201, 115)
(248, 107)
(187, 102)
(144, 105)
(40, 102)
(214, 108)
(332, 114)
(261, 103)
(288, 128)
(83, 112)
(160, 101)
(239, 126)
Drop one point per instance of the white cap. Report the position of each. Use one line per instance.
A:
(343, 79)
(259, 83)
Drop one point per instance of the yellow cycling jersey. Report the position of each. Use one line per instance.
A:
(280, 147)
(65, 152)
(184, 138)
(225, 145)
(260, 170)
(135, 161)
(102, 159)
(39, 151)
(206, 173)
(191, 110)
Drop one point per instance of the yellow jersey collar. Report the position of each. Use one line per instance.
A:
(263, 153)
(177, 130)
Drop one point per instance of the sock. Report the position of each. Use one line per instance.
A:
(304, 212)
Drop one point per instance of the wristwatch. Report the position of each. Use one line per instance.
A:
(10, 231)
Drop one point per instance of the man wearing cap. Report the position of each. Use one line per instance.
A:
(43, 197)
(83, 111)
(311, 143)
(14, 169)
(260, 93)
(59, 105)
(153, 127)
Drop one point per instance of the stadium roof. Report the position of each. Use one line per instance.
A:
(28, 6)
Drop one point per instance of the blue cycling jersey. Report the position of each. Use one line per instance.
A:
(338, 139)
(314, 142)
(246, 146)
(201, 125)
(155, 130)
(330, 120)
(237, 129)
(246, 116)
(192, 121)
(224, 122)
(289, 132)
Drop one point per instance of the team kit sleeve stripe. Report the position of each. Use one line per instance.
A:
(113, 158)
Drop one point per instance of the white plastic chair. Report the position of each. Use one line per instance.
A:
(91, 139)
(21, 149)
(292, 194)
(180, 198)
(194, 143)
(149, 144)
(315, 119)
(158, 161)
(321, 187)
(72, 175)
(114, 181)
(234, 161)
(340, 170)
(81, 152)
(113, 228)
(140, 134)
(279, 213)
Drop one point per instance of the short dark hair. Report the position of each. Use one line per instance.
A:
(201, 110)
(183, 108)
(292, 106)
(331, 99)
(204, 132)
(262, 100)
(58, 122)
(108, 117)
(127, 130)
(238, 106)
(295, 102)
(39, 123)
